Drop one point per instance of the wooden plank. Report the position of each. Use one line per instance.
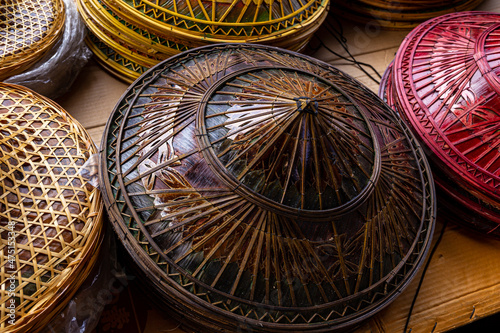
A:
(379, 60)
(92, 98)
(361, 38)
(369, 38)
(459, 287)
(489, 6)
(96, 134)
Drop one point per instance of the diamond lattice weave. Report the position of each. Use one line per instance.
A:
(28, 29)
(49, 216)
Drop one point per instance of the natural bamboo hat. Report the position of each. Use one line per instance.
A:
(50, 219)
(28, 29)
(256, 188)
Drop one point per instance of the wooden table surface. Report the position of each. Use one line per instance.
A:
(462, 282)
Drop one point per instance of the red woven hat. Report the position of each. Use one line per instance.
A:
(444, 83)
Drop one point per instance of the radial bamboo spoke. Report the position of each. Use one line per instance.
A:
(268, 146)
(200, 211)
(180, 202)
(267, 116)
(316, 264)
(292, 161)
(252, 184)
(159, 167)
(274, 132)
(478, 134)
(331, 170)
(163, 140)
(207, 225)
(446, 130)
(258, 256)
(317, 164)
(282, 255)
(221, 242)
(249, 250)
(491, 142)
(235, 248)
(211, 235)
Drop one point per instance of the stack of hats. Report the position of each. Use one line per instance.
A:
(50, 218)
(28, 30)
(128, 37)
(261, 190)
(399, 14)
(445, 83)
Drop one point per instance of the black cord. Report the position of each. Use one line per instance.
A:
(355, 62)
(338, 34)
(423, 274)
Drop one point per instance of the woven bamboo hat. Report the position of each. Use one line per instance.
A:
(399, 14)
(447, 88)
(143, 33)
(28, 29)
(256, 188)
(50, 220)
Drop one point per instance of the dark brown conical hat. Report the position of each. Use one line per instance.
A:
(266, 190)
(399, 14)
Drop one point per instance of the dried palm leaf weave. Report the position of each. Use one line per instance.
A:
(148, 32)
(28, 29)
(448, 89)
(50, 219)
(399, 14)
(259, 189)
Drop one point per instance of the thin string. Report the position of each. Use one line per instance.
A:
(338, 34)
(423, 275)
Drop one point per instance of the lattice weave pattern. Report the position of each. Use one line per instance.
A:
(43, 201)
(27, 30)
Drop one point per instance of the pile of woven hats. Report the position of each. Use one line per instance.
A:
(50, 218)
(445, 83)
(128, 37)
(399, 14)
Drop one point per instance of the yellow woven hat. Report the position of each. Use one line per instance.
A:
(128, 36)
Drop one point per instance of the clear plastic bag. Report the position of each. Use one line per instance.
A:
(54, 74)
(90, 170)
(105, 282)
